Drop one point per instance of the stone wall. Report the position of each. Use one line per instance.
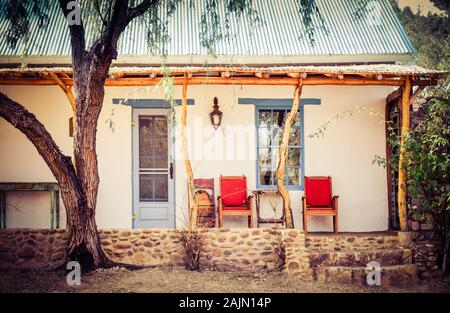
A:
(142, 247)
(32, 248)
(426, 253)
(350, 242)
(241, 249)
(222, 249)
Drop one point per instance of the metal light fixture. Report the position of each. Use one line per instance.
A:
(216, 114)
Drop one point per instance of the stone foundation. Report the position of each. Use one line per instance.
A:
(222, 249)
(426, 253)
(319, 257)
(339, 242)
(32, 248)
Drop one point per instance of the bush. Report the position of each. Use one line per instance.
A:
(427, 167)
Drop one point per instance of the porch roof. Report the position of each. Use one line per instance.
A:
(371, 74)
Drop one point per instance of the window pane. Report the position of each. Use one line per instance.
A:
(279, 117)
(277, 134)
(160, 152)
(160, 126)
(295, 137)
(293, 175)
(293, 157)
(297, 120)
(264, 136)
(161, 188)
(265, 117)
(153, 187)
(153, 142)
(265, 176)
(268, 156)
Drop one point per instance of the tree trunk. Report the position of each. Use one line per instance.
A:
(281, 167)
(79, 182)
(192, 223)
(84, 244)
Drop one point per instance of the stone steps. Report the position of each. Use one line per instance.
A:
(319, 243)
(394, 275)
(392, 256)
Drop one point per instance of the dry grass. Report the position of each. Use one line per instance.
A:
(180, 280)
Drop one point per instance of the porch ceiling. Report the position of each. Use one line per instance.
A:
(373, 74)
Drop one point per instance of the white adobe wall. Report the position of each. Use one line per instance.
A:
(345, 153)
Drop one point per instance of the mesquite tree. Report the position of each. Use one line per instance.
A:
(105, 20)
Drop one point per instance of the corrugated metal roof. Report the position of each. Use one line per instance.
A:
(278, 36)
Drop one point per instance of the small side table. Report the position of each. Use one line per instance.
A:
(54, 199)
(259, 220)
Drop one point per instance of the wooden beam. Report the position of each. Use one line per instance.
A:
(262, 75)
(68, 91)
(416, 93)
(297, 75)
(339, 76)
(372, 76)
(404, 131)
(66, 88)
(393, 96)
(274, 81)
(225, 74)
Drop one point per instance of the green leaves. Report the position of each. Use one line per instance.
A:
(427, 165)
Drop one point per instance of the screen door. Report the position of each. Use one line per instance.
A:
(152, 169)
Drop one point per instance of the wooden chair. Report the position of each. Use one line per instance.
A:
(233, 200)
(318, 201)
(204, 195)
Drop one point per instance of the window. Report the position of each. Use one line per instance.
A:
(270, 125)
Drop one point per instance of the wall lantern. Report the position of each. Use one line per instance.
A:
(216, 114)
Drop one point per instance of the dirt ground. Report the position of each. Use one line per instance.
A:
(179, 280)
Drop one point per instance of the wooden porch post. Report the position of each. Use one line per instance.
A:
(281, 167)
(404, 131)
(187, 163)
(68, 91)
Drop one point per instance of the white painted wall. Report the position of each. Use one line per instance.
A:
(345, 153)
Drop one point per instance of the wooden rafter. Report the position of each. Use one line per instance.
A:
(66, 88)
(197, 80)
(377, 75)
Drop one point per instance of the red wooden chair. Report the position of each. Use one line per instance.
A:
(318, 201)
(233, 200)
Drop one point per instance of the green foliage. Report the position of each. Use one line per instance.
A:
(442, 5)
(96, 16)
(18, 12)
(307, 10)
(430, 35)
(427, 166)
(213, 29)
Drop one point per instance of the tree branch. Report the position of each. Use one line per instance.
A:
(141, 8)
(77, 37)
(27, 123)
